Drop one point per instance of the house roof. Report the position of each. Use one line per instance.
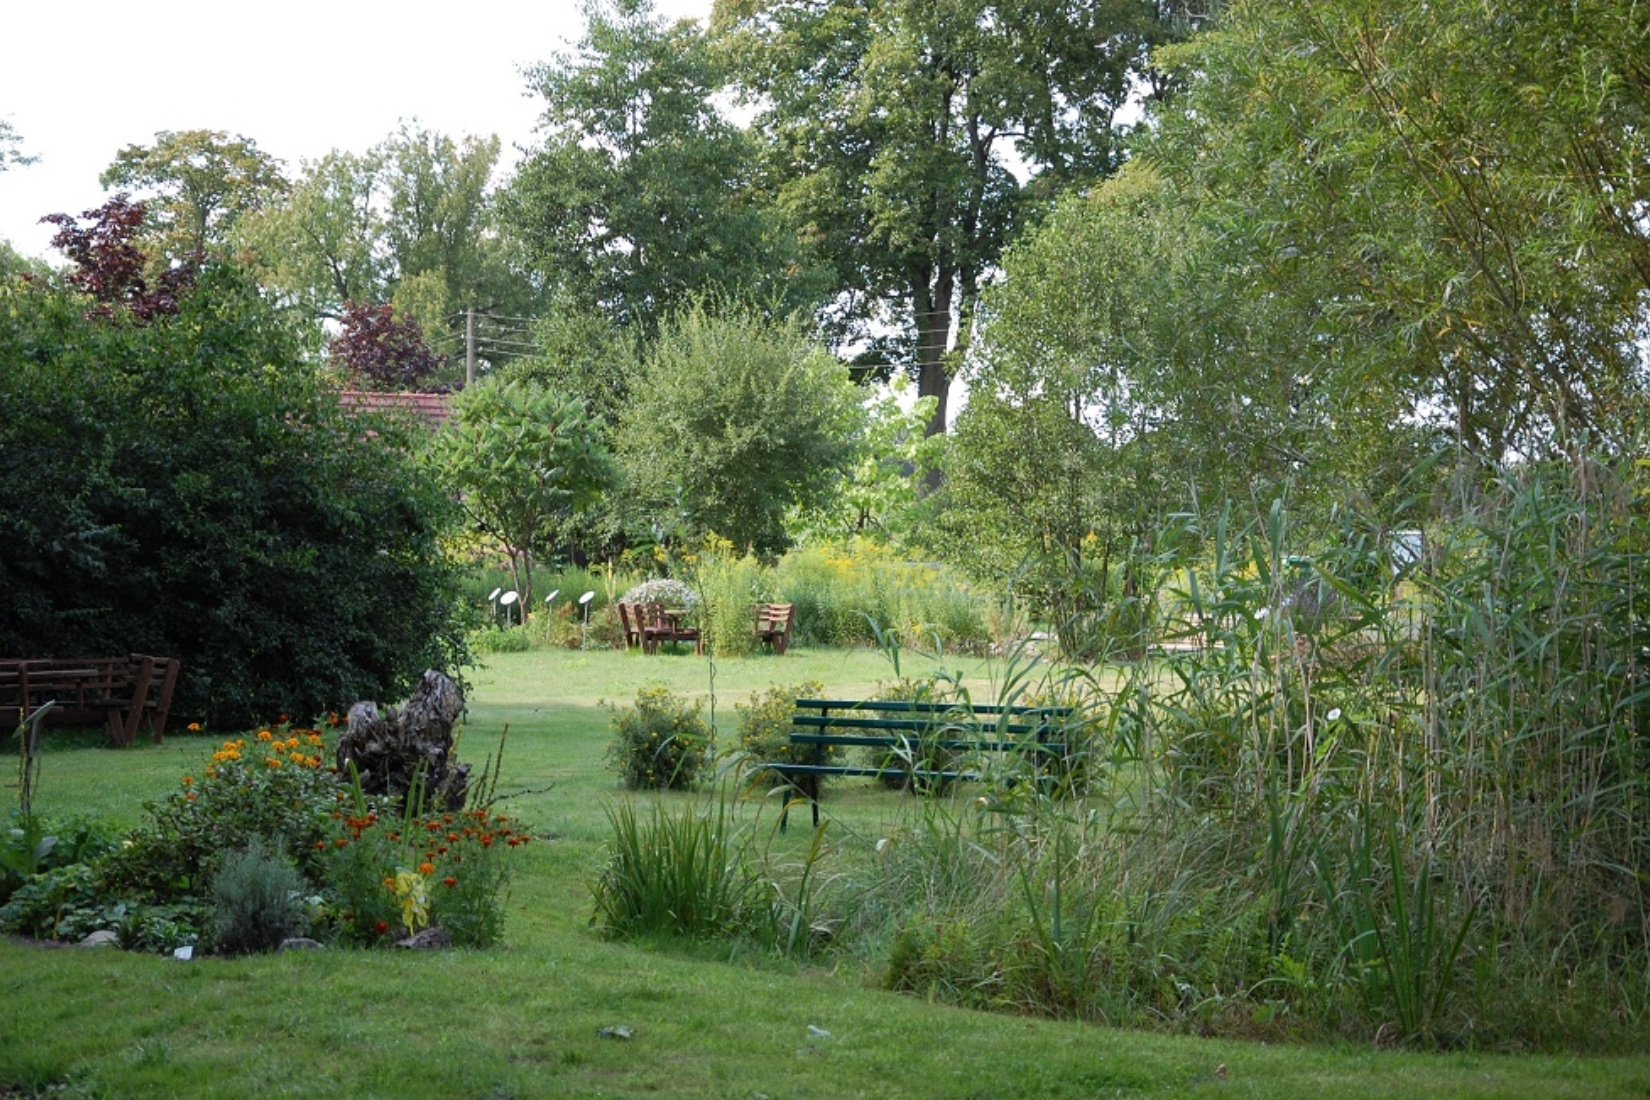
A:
(434, 408)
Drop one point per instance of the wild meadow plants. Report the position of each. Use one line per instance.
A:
(1394, 799)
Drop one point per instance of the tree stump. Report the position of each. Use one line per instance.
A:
(409, 744)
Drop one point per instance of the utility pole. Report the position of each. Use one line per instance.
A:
(469, 347)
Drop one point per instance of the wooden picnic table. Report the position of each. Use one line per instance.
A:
(123, 692)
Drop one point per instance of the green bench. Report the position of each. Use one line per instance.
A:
(909, 730)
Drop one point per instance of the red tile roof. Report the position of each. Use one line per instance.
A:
(435, 408)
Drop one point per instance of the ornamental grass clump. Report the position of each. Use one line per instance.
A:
(683, 870)
(660, 743)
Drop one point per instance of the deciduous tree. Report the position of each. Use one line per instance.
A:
(640, 198)
(524, 462)
(197, 185)
(734, 421)
(900, 132)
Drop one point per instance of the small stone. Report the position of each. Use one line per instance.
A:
(817, 1032)
(101, 938)
(301, 943)
(617, 1031)
(433, 938)
(184, 953)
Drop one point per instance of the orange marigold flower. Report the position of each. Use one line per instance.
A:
(194, 727)
(190, 797)
(273, 761)
(340, 843)
(264, 735)
(389, 883)
(188, 779)
(449, 881)
(426, 868)
(380, 927)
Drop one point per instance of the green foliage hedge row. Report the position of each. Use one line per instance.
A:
(189, 487)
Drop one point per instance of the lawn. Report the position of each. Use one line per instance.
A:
(524, 1020)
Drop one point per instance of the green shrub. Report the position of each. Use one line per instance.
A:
(257, 901)
(271, 785)
(660, 743)
(217, 506)
(764, 730)
(510, 639)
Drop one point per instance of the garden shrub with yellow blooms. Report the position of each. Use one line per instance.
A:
(661, 743)
(270, 786)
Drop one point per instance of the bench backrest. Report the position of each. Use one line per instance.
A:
(921, 715)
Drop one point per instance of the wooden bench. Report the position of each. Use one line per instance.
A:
(122, 692)
(909, 730)
(773, 625)
(660, 624)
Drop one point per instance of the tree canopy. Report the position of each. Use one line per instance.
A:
(641, 198)
(197, 184)
(901, 137)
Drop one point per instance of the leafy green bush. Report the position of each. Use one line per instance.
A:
(270, 787)
(660, 743)
(213, 503)
(257, 901)
(510, 639)
(764, 730)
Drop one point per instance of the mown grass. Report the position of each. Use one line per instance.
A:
(523, 1020)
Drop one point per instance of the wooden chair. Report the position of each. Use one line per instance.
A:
(630, 620)
(773, 625)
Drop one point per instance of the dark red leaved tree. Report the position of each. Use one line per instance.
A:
(380, 352)
(110, 268)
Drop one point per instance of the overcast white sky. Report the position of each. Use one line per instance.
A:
(82, 79)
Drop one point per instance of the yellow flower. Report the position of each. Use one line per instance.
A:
(415, 906)
(264, 735)
(194, 727)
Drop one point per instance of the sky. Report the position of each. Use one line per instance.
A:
(82, 79)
